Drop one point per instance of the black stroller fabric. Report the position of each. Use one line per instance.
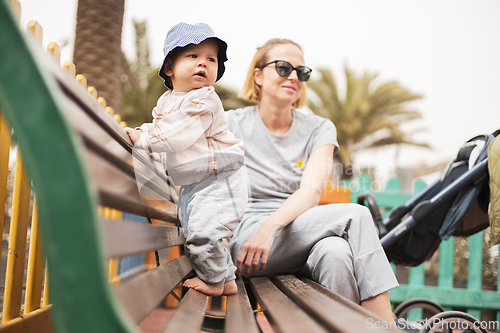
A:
(422, 241)
(464, 201)
(435, 224)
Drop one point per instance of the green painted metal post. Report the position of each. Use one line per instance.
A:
(446, 258)
(365, 183)
(362, 185)
(474, 281)
(416, 279)
(419, 186)
(393, 185)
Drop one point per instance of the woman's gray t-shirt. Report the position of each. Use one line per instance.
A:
(275, 164)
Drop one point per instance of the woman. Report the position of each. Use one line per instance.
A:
(289, 158)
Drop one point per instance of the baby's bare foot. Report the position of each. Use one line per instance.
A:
(230, 288)
(203, 287)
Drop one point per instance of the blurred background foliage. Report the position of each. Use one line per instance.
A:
(367, 115)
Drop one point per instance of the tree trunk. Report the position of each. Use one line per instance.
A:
(97, 53)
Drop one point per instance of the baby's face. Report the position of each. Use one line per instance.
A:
(195, 66)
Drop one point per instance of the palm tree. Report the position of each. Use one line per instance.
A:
(98, 53)
(142, 66)
(368, 116)
(141, 85)
(138, 101)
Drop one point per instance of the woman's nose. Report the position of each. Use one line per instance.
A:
(293, 75)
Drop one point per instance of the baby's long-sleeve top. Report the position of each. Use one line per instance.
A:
(190, 131)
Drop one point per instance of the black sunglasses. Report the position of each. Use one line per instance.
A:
(284, 69)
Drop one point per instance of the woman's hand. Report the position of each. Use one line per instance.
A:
(133, 134)
(318, 170)
(255, 249)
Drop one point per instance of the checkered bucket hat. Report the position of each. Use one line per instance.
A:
(183, 34)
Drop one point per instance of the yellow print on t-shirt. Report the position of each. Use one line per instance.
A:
(300, 163)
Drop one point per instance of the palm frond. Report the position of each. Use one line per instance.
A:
(368, 115)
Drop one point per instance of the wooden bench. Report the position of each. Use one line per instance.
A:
(79, 158)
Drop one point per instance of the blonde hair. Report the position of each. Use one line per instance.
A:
(251, 90)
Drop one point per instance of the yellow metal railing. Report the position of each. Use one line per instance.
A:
(14, 276)
(4, 166)
(18, 232)
(35, 316)
(34, 282)
(112, 214)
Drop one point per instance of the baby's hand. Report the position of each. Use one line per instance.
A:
(133, 134)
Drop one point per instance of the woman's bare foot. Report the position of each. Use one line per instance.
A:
(230, 288)
(203, 287)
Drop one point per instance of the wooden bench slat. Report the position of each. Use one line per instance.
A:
(321, 308)
(122, 163)
(99, 131)
(87, 116)
(119, 191)
(138, 208)
(126, 238)
(101, 143)
(345, 302)
(88, 104)
(142, 294)
(84, 125)
(105, 135)
(189, 315)
(239, 314)
(283, 314)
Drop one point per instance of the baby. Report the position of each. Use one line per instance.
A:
(190, 131)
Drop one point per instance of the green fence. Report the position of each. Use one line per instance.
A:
(473, 297)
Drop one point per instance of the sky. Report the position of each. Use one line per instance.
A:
(446, 50)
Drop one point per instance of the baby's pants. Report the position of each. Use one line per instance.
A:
(336, 245)
(213, 209)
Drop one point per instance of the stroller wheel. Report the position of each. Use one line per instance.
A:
(430, 307)
(453, 321)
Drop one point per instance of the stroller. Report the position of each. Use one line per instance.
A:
(456, 204)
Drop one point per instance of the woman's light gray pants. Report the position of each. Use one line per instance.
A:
(336, 245)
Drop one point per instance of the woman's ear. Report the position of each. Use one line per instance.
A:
(167, 69)
(257, 76)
